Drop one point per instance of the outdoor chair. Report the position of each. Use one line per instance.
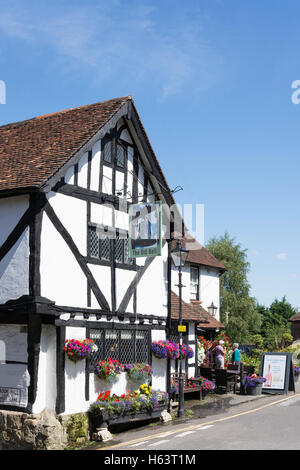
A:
(223, 382)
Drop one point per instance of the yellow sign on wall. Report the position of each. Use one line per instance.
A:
(182, 328)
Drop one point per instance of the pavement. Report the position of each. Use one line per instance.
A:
(197, 411)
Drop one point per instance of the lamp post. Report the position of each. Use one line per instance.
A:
(179, 255)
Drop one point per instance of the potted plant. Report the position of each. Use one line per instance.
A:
(77, 350)
(138, 372)
(296, 370)
(108, 369)
(112, 408)
(253, 384)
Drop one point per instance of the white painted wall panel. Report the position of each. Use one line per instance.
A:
(95, 166)
(14, 270)
(11, 211)
(107, 180)
(46, 387)
(123, 280)
(119, 183)
(72, 213)
(83, 171)
(75, 377)
(152, 288)
(102, 275)
(62, 280)
(102, 214)
(209, 289)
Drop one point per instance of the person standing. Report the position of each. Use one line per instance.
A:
(236, 355)
(220, 354)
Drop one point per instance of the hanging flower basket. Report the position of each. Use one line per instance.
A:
(108, 369)
(138, 372)
(164, 349)
(186, 352)
(77, 350)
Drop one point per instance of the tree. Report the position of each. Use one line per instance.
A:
(235, 298)
(275, 325)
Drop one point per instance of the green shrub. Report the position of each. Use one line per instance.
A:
(77, 427)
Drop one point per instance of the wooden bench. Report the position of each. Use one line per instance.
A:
(186, 388)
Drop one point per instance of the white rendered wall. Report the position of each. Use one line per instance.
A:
(75, 377)
(62, 280)
(14, 267)
(72, 213)
(210, 289)
(46, 386)
(152, 288)
(14, 270)
(186, 297)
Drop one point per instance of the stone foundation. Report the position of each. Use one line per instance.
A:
(44, 431)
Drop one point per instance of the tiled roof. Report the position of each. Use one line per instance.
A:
(32, 151)
(198, 254)
(193, 312)
(295, 317)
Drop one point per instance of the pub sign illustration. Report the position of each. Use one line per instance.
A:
(145, 230)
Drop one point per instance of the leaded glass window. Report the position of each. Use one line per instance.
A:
(128, 346)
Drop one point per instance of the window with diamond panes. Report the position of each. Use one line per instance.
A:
(105, 247)
(128, 346)
(142, 346)
(119, 250)
(94, 243)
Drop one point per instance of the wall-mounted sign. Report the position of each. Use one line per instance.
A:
(277, 368)
(182, 328)
(145, 230)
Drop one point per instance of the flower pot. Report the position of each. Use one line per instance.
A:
(256, 390)
(204, 393)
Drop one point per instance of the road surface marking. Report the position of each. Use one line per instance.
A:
(184, 433)
(197, 426)
(204, 427)
(159, 443)
(139, 444)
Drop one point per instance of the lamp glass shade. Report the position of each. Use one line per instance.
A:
(212, 309)
(179, 256)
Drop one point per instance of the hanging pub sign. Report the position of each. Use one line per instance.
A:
(145, 230)
(277, 369)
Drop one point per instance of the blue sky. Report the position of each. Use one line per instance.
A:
(212, 82)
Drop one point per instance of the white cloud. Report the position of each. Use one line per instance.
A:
(117, 41)
(282, 256)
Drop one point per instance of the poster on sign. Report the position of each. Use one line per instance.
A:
(277, 369)
(145, 230)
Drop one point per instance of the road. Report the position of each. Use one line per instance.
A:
(261, 426)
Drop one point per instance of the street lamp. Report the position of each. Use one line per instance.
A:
(212, 309)
(179, 256)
